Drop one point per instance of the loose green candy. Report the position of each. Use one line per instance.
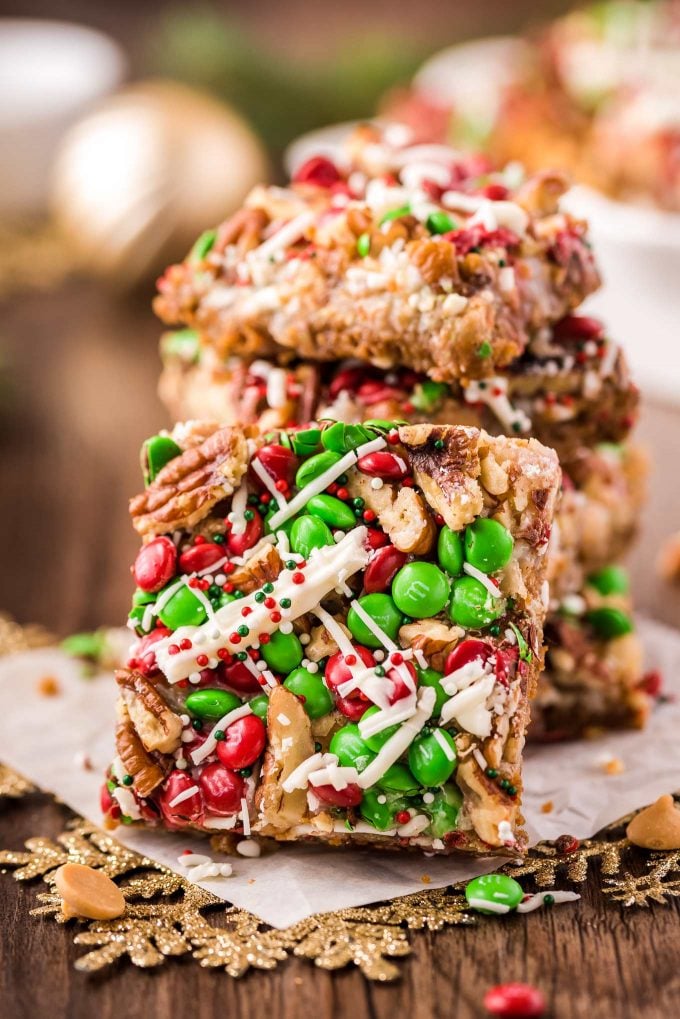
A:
(259, 705)
(305, 442)
(182, 344)
(610, 580)
(315, 466)
(282, 652)
(471, 605)
(332, 511)
(341, 438)
(211, 704)
(380, 608)
(350, 748)
(308, 533)
(317, 699)
(428, 394)
(420, 590)
(380, 815)
(156, 453)
(609, 623)
(183, 609)
(488, 545)
(496, 890)
(203, 245)
(378, 741)
(443, 810)
(450, 551)
(399, 779)
(428, 760)
(439, 222)
(430, 677)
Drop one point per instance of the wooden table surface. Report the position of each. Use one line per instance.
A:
(79, 369)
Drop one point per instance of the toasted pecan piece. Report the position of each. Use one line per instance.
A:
(158, 727)
(435, 639)
(286, 721)
(262, 567)
(403, 515)
(448, 475)
(137, 762)
(190, 485)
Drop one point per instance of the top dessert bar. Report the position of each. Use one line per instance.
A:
(339, 632)
(400, 256)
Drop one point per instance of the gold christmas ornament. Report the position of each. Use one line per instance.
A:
(138, 178)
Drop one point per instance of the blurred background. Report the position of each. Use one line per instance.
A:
(126, 129)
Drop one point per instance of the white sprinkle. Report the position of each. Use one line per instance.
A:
(181, 763)
(505, 833)
(377, 484)
(192, 859)
(428, 797)
(245, 817)
(286, 627)
(415, 826)
(305, 638)
(489, 907)
(537, 900)
(446, 747)
(488, 583)
(283, 719)
(480, 758)
(248, 847)
(268, 481)
(186, 794)
(383, 799)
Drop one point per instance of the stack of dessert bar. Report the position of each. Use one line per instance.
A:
(352, 540)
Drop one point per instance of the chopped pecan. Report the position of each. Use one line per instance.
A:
(541, 193)
(322, 644)
(403, 515)
(136, 761)
(262, 567)
(244, 228)
(188, 434)
(189, 486)
(435, 259)
(448, 475)
(287, 721)
(486, 805)
(436, 640)
(158, 727)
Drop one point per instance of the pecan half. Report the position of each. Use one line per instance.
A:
(262, 567)
(289, 744)
(158, 727)
(137, 762)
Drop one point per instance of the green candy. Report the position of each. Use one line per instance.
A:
(315, 466)
(609, 623)
(450, 551)
(182, 344)
(350, 749)
(497, 890)
(317, 699)
(443, 810)
(282, 652)
(224, 599)
(86, 645)
(488, 545)
(140, 597)
(383, 611)
(472, 606)
(399, 779)
(156, 453)
(383, 425)
(341, 438)
(183, 609)
(308, 533)
(378, 741)
(403, 210)
(364, 245)
(259, 705)
(305, 442)
(428, 394)
(610, 580)
(332, 511)
(439, 222)
(136, 615)
(430, 677)
(380, 815)
(420, 590)
(203, 246)
(211, 704)
(428, 760)
(286, 527)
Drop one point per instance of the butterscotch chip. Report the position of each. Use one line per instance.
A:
(657, 826)
(547, 807)
(88, 892)
(48, 686)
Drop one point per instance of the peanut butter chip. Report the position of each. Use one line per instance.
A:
(88, 892)
(657, 826)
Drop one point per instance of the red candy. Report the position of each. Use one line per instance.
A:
(143, 657)
(383, 465)
(578, 327)
(375, 392)
(222, 789)
(108, 804)
(352, 708)
(189, 810)
(376, 538)
(318, 170)
(240, 678)
(201, 557)
(400, 688)
(514, 1001)
(243, 743)
(350, 796)
(239, 543)
(382, 568)
(350, 378)
(338, 672)
(155, 564)
(278, 461)
(467, 651)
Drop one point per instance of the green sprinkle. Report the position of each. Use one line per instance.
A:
(548, 900)
(128, 779)
(218, 539)
(484, 349)
(243, 630)
(246, 772)
(358, 503)
(203, 245)
(249, 514)
(241, 656)
(379, 670)
(404, 210)
(491, 773)
(438, 443)
(290, 565)
(268, 588)
(285, 603)
(260, 596)
(439, 222)
(219, 735)
(197, 724)
(364, 245)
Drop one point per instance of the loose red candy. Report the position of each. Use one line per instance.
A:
(239, 543)
(155, 564)
(243, 743)
(514, 1001)
(201, 557)
(278, 461)
(381, 569)
(318, 170)
(240, 678)
(350, 796)
(467, 651)
(188, 810)
(383, 465)
(338, 672)
(222, 789)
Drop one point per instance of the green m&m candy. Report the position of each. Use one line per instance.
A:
(309, 685)
(493, 893)
(156, 453)
(332, 511)
(471, 605)
(450, 551)
(306, 441)
(430, 677)
(439, 222)
(443, 810)
(383, 611)
(286, 526)
(610, 580)
(432, 757)
(183, 609)
(211, 704)
(399, 779)
(315, 467)
(378, 813)
(609, 623)
(140, 597)
(308, 533)
(420, 590)
(342, 438)
(428, 394)
(283, 652)
(136, 615)
(488, 545)
(377, 741)
(259, 705)
(350, 748)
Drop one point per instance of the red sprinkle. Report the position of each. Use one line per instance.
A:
(393, 438)
(514, 1001)
(202, 660)
(298, 578)
(281, 485)
(235, 638)
(351, 659)
(199, 540)
(246, 610)
(263, 638)
(224, 654)
(173, 649)
(402, 817)
(397, 658)
(342, 493)
(185, 644)
(369, 516)
(275, 617)
(269, 603)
